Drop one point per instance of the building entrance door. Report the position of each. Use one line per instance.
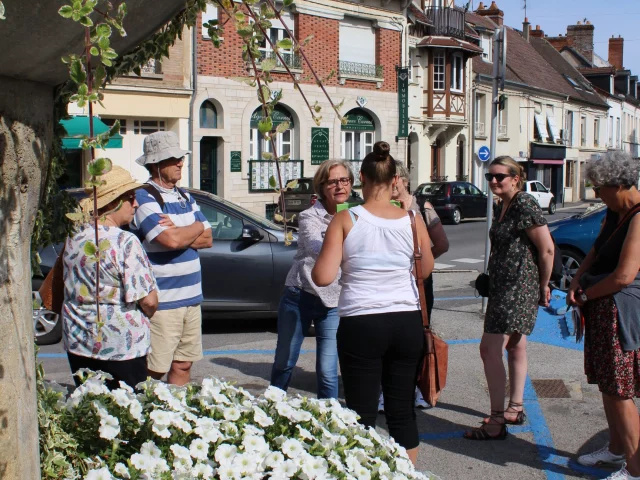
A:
(209, 165)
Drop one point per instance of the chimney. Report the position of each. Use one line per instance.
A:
(492, 12)
(525, 29)
(616, 48)
(580, 37)
(537, 33)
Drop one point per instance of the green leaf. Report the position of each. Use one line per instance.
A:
(240, 17)
(103, 43)
(65, 11)
(90, 249)
(103, 30)
(292, 184)
(272, 181)
(263, 94)
(285, 44)
(77, 72)
(83, 89)
(265, 125)
(86, 21)
(245, 31)
(284, 157)
(283, 127)
(267, 155)
(267, 65)
(104, 245)
(287, 3)
(75, 216)
(94, 51)
(99, 166)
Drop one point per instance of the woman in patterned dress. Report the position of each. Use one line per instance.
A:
(607, 288)
(119, 343)
(519, 270)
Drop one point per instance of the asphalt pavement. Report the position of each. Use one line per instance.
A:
(565, 415)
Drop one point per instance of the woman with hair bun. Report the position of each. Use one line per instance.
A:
(380, 339)
(519, 270)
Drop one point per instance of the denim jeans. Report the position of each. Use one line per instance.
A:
(296, 312)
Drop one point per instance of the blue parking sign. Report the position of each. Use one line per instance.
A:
(484, 153)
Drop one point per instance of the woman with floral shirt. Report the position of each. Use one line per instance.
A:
(118, 342)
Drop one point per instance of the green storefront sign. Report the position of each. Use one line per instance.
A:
(403, 102)
(359, 120)
(236, 161)
(319, 145)
(279, 115)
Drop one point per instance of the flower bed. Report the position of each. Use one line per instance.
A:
(212, 430)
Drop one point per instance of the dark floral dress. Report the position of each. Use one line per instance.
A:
(514, 289)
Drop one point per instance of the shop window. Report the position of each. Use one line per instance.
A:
(147, 127)
(284, 141)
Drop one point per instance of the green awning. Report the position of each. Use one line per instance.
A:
(279, 115)
(359, 121)
(78, 126)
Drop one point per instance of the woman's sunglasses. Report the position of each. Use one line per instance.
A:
(344, 181)
(498, 176)
(128, 197)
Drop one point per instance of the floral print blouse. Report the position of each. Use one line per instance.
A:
(125, 278)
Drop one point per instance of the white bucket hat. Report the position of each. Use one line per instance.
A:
(160, 146)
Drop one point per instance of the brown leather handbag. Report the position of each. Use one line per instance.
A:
(52, 289)
(432, 374)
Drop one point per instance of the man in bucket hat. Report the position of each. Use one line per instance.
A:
(172, 228)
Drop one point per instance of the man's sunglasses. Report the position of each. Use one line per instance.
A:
(498, 176)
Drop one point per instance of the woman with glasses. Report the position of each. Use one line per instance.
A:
(118, 342)
(303, 302)
(606, 287)
(519, 271)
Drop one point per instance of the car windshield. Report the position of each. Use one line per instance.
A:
(592, 210)
(433, 189)
(253, 216)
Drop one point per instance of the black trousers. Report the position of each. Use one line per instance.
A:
(382, 349)
(429, 297)
(131, 372)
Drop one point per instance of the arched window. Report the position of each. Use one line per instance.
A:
(208, 115)
(284, 141)
(357, 135)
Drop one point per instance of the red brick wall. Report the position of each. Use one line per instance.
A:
(616, 52)
(322, 51)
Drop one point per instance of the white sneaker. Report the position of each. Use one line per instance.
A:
(602, 457)
(381, 404)
(420, 402)
(621, 474)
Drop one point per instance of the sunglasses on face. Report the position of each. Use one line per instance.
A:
(498, 176)
(344, 181)
(128, 197)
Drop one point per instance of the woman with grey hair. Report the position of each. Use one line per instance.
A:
(607, 289)
(302, 300)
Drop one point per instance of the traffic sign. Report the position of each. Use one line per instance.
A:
(484, 153)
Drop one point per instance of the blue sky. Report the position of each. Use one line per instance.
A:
(613, 17)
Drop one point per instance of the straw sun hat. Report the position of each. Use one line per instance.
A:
(117, 182)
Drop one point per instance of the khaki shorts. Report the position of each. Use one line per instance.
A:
(175, 335)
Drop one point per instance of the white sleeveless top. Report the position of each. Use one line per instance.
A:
(377, 261)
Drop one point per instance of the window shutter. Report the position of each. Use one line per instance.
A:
(542, 127)
(553, 128)
(357, 42)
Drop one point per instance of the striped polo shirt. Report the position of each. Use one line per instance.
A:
(177, 271)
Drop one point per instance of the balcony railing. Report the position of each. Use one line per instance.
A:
(291, 60)
(480, 132)
(360, 70)
(462, 178)
(447, 22)
(502, 131)
(439, 178)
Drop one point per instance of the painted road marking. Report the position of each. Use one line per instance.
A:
(468, 260)
(442, 266)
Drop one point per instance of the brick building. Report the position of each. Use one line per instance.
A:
(360, 41)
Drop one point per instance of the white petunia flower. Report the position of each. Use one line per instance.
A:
(261, 418)
(225, 453)
(292, 448)
(149, 448)
(181, 423)
(180, 452)
(182, 465)
(161, 417)
(304, 433)
(246, 463)
(99, 474)
(284, 409)
(301, 416)
(365, 442)
(274, 394)
(229, 472)
(135, 409)
(274, 459)
(199, 449)
(253, 443)
(404, 466)
(109, 427)
(203, 470)
(121, 469)
(121, 397)
(362, 473)
(286, 469)
(315, 467)
(232, 414)
(144, 463)
(162, 431)
(252, 430)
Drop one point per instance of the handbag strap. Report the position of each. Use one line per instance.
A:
(417, 259)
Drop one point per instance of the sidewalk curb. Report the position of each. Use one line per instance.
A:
(454, 271)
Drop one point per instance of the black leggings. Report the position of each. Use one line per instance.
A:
(429, 297)
(131, 372)
(382, 348)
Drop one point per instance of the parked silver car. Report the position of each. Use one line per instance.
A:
(243, 273)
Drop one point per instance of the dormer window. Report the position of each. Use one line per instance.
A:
(485, 43)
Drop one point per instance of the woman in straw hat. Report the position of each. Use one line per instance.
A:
(118, 344)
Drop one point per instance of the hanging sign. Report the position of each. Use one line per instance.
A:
(319, 145)
(236, 161)
(403, 102)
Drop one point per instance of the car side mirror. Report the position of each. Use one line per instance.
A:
(251, 233)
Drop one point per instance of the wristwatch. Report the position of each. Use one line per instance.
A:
(583, 296)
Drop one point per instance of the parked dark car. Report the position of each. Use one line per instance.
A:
(243, 273)
(453, 201)
(575, 236)
(301, 197)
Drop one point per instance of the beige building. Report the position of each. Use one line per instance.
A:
(158, 99)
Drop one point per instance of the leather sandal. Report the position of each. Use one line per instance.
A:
(481, 433)
(521, 417)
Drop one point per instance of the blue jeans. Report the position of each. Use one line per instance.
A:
(296, 312)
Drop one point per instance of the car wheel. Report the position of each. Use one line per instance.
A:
(571, 261)
(47, 326)
(456, 216)
(552, 207)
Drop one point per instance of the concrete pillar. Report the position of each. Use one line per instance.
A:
(26, 128)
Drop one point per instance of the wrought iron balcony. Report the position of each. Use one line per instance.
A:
(447, 21)
(291, 60)
(441, 178)
(360, 70)
(462, 178)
